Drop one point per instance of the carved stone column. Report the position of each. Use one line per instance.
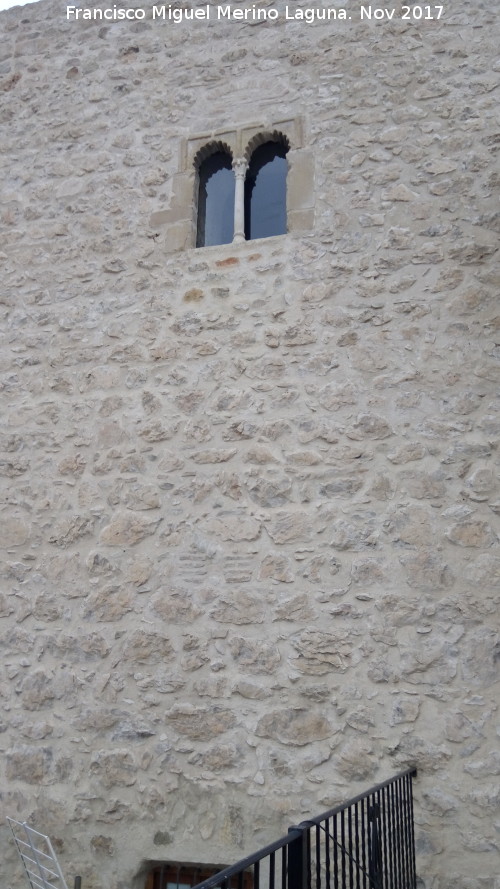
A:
(240, 169)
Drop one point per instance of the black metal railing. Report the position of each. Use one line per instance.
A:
(366, 843)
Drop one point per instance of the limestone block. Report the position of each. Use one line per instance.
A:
(276, 567)
(294, 726)
(174, 606)
(217, 758)
(408, 453)
(158, 430)
(475, 533)
(199, 723)
(270, 492)
(39, 688)
(148, 647)
(251, 690)
(484, 572)
(255, 657)
(16, 530)
(341, 487)
(67, 530)
(405, 708)
(108, 603)
(213, 455)
(33, 765)
(425, 485)
(334, 396)
(412, 748)
(113, 768)
(301, 180)
(347, 536)
(356, 760)
(234, 527)
(128, 528)
(320, 652)
(433, 660)
(481, 657)
(369, 426)
(241, 608)
(285, 527)
(427, 572)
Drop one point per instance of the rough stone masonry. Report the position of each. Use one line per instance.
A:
(250, 554)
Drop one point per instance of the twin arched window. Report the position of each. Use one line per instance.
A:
(241, 201)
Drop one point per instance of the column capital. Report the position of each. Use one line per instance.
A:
(240, 167)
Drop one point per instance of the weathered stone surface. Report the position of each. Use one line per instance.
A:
(481, 657)
(110, 603)
(175, 606)
(320, 652)
(369, 426)
(68, 530)
(276, 567)
(241, 608)
(147, 647)
(235, 527)
(113, 768)
(287, 526)
(472, 533)
(128, 529)
(249, 491)
(427, 572)
(30, 764)
(433, 660)
(356, 760)
(270, 492)
(255, 657)
(405, 708)
(199, 723)
(294, 726)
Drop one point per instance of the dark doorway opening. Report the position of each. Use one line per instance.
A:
(169, 875)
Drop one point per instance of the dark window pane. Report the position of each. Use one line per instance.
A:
(265, 192)
(215, 201)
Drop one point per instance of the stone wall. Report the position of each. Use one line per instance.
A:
(250, 540)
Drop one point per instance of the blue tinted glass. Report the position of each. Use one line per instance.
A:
(265, 192)
(215, 201)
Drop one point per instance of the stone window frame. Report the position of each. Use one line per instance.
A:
(179, 219)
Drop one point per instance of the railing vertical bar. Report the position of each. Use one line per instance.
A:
(404, 830)
(308, 859)
(409, 815)
(327, 853)
(363, 841)
(385, 838)
(284, 853)
(335, 853)
(369, 802)
(390, 853)
(342, 840)
(379, 849)
(356, 844)
(349, 834)
(256, 875)
(271, 871)
(412, 833)
(408, 881)
(318, 857)
(399, 832)
(394, 810)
